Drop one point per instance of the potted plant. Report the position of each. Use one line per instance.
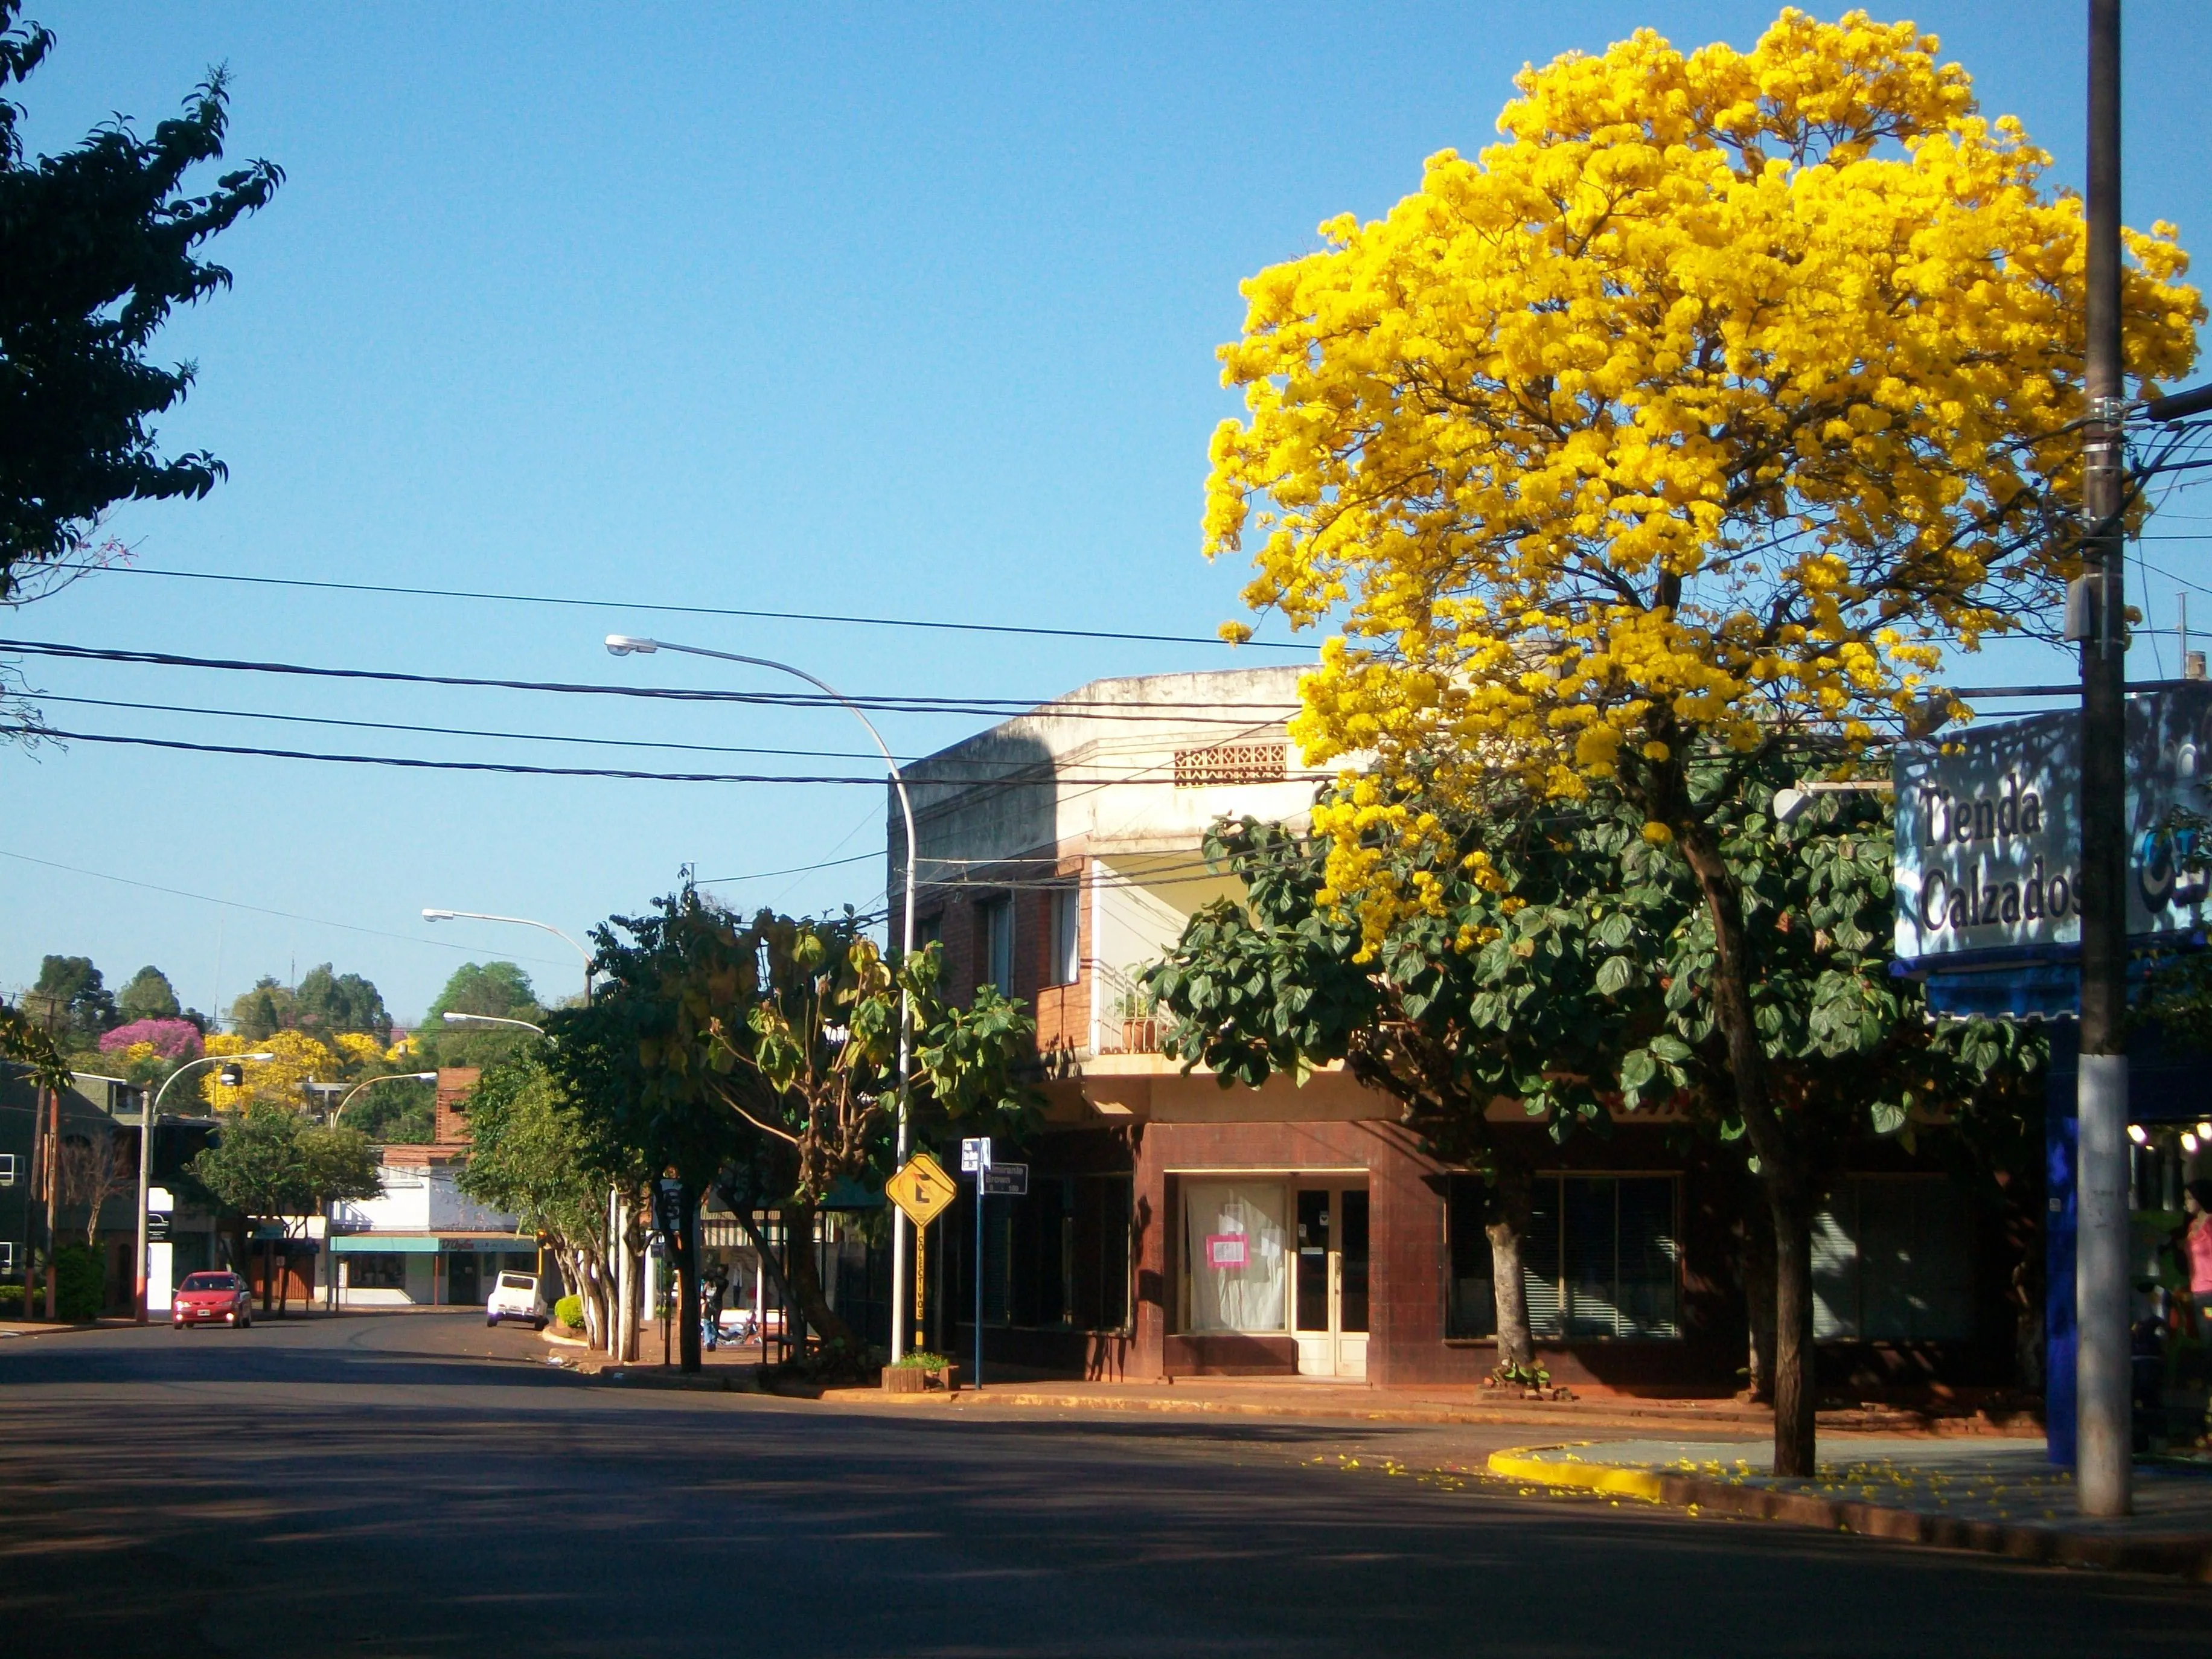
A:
(1140, 1026)
(920, 1371)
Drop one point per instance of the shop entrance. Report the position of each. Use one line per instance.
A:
(464, 1288)
(1330, 1292)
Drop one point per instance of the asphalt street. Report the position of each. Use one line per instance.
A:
(416, 1484)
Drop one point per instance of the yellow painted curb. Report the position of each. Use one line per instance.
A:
(1519, 1464)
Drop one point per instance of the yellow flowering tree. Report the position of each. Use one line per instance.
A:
(1699, 415)
(299, 1059)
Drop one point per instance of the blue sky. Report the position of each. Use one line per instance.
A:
(901, 311)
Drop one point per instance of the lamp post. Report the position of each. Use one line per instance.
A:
(153, 1115)
(487, 1019)
(623, 645)
(521, 921)
(370, 1083)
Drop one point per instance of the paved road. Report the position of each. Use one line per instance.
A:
(416, 1485)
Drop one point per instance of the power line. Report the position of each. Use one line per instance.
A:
(260, 909)
(688, 610)
(795, 870)
(877, 780)
(988, 708)
(459, 731)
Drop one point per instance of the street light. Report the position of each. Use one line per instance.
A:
(153, 1115)
(521, 921)
(623, 645)
(370, 1083)
(487, 1019)
(1790, 804)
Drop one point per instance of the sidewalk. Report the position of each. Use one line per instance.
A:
(2002, 1497)
(1356, 1403)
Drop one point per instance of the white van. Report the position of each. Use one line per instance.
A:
(515, 1297)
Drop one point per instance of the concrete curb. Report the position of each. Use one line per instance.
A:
(2185, 1555)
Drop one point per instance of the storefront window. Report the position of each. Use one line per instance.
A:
(376, 1270)
(1893, 1262)
(1239, 1270)
(1599, 1259)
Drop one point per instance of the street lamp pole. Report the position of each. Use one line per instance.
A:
(152, 1116)
(589, 965)
(623, 645)
(482, 1019)
(2104, 1449)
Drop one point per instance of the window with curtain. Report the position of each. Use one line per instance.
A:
(1237, 1265)
(997, 919)
(1600, 1258)
(1066, 935)
(1893, 1262)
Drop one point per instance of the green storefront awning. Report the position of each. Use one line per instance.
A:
(429, 1244)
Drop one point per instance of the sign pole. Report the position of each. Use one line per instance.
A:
(979, 1276)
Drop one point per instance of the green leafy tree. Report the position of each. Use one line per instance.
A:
(770, 1045)
(1566, 966)
(148, 996)
(500, 989)
(100, 243)
(269, 1162)
(1529, 982)
(534, 1157)
(24, 1042)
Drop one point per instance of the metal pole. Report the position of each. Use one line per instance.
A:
(146, 1118)
(2103, 1424)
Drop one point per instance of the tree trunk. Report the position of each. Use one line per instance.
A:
(806, 1281)
(1780, 1166)
(1758, 1297)
(687, 1282)
(1508, 1228)
(1795, 1382)
(769, 1266)
(268, 1272)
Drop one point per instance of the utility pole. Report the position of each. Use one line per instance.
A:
(2103, 1425)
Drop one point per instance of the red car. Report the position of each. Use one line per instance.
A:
(219, 1298)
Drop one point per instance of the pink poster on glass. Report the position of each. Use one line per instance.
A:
(1224, 1250)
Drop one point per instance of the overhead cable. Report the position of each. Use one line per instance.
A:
(694, 609)
(992, 707)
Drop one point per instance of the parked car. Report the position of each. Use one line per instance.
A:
(212, 1298)
(515, 1297)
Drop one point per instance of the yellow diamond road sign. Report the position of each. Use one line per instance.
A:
(921, 1189)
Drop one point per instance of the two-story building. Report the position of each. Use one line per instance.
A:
(1172, 1226)
(422, 1242)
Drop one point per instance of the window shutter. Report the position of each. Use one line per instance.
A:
(1836, 1268)
(1540, 1262)
(1649, 1258)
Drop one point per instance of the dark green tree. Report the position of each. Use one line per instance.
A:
(70, 999)
(100, 243)
(326, 1002)
(262, 1010)
(148, 996)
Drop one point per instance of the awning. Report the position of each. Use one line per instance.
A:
(430, 1244)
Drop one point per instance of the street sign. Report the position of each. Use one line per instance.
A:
(921, 1189)
(160, 1200)
(668, 1206)
(975, 1154)
(1006, 1180)
(157, 1226)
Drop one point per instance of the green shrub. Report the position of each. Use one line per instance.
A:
(11, 1300)
(80, 1283)
(569, 1310)
(921, 1359)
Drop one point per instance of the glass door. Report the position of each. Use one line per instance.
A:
(1329, 1293)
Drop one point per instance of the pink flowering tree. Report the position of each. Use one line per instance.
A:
(173, 1040)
